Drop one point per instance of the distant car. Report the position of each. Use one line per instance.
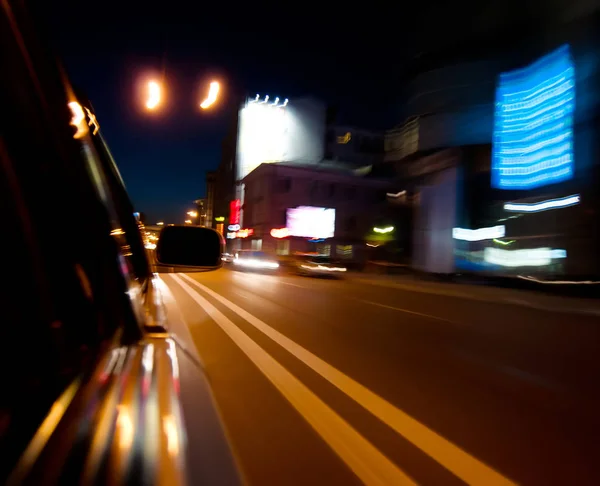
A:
(227, 258)
(254, 260)
(318, 266)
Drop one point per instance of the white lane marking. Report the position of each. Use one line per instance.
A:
(367, 462)
(295, 285)
(459, 462)
(243, 296)
(277, 279)
(480, 298)
(532, 305)
(429, 316)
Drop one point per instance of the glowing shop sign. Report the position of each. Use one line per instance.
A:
(535, 257)
(234, 211)
(563, 202)
(311, 222)
(280, 232)
(479, 234)
(533, 124)
(244, 233)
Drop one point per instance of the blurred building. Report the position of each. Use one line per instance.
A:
(202, 210)
(209, 201)
(503, 133)
(353, 146)
(298, 131)
(359, 204)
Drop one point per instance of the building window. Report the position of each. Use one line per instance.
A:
(324, 249)
(344, 251)
(345, 138)
(283, 247)
(256, 245)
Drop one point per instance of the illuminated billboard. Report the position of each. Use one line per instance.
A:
(274, 130)
(311, 222)
(533, 124)
(262, 134)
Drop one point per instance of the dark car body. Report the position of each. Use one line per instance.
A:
(318, 266)
(96, 386)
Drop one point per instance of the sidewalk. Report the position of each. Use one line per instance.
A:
(483, 291)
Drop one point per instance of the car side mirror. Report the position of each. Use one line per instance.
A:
(193, 247)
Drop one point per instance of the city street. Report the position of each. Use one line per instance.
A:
(390, 381)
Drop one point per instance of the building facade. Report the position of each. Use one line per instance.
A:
(267, 130)
(353, 146)
(500, 153)
(271, 190)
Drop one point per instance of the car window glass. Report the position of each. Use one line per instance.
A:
(110, 188)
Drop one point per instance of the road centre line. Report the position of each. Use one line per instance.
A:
(399, 309)
(429, 316)
(459, 462)
(295, 285)
(366, 461)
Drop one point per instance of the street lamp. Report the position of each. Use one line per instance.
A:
(213, 92)
(160, 223)
(193, 214)
(188, 221)
(154, 95)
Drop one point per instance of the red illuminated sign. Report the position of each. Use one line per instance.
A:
(280, 232)
(234, 211)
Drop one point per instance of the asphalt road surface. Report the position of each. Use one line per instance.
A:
(383, 382)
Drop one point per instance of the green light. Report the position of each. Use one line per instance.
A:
(220, 219)
(387, 229)
(505, 243)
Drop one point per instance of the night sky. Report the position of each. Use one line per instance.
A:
(347, 55)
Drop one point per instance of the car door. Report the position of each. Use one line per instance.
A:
(93, 389)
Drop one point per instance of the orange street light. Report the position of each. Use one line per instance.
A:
(154, 95)
(188, 221)
(213, 92)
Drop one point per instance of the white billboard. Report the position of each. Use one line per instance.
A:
(311, 222)
(271, 130)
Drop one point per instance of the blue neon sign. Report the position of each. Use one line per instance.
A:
(533, 124)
